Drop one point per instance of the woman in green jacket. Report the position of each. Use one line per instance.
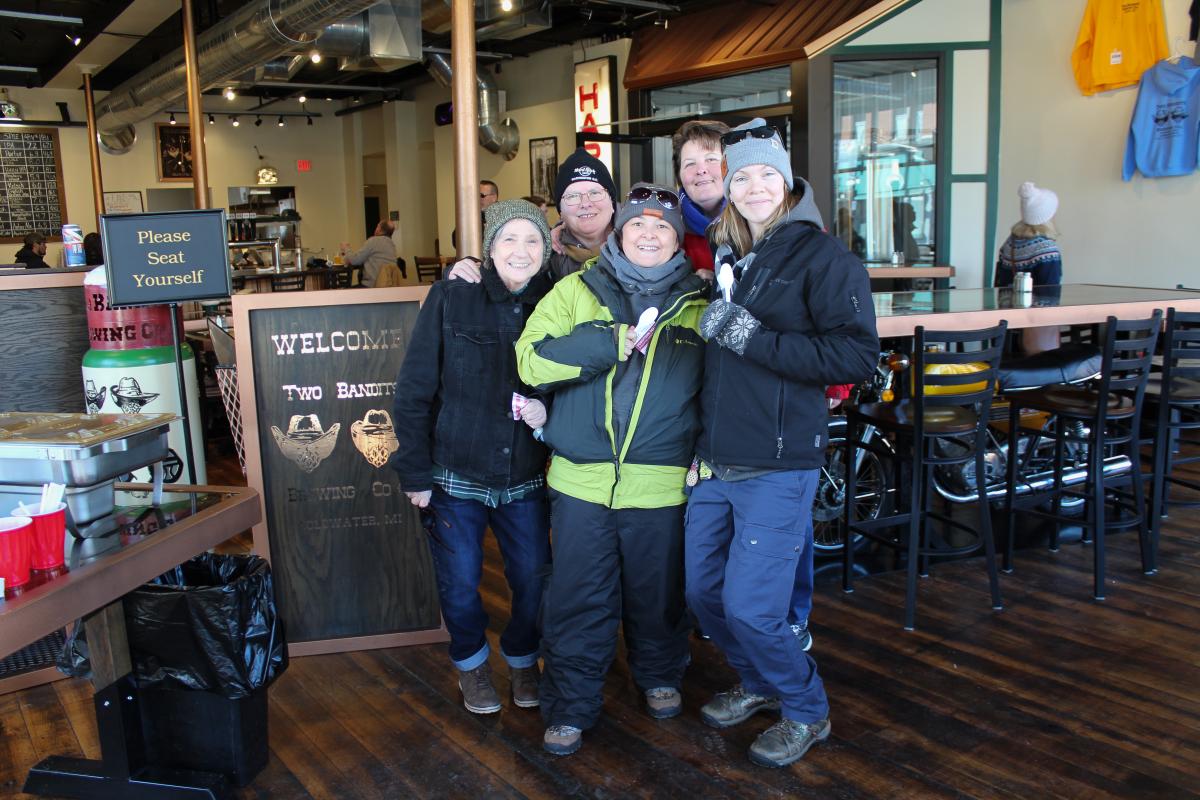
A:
(623, 425)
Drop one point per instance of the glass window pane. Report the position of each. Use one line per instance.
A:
(885, 166)
(768, 87)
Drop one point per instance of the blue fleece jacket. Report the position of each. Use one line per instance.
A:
(1165, 130)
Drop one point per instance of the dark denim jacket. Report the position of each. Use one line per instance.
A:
(454, 392)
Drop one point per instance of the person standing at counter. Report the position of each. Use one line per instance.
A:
(697, 150)
(800, 317)
(33, 253)
(1032, 247)
(375, 254)
(622, 430)
(468, 457)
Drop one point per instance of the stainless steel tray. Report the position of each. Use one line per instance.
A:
(78, 449)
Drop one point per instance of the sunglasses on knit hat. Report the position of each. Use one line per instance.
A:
(761, 132)
(665, 197)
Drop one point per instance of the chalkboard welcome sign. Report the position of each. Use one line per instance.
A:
(165, 257)
(349, 556)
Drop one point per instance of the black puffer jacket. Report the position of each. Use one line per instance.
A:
(767, 409)
(454, 393)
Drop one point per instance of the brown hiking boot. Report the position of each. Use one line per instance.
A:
(787, 741)
(663, 702)
(479, 696)
(524, 685)
(735, 706)
(562, 740)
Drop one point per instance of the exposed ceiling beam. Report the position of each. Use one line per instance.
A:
(651, 5)
(53, 18)
(139, 18)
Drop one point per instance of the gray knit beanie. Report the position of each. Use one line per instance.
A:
(651, 206)
(752, 150)
(498, 214)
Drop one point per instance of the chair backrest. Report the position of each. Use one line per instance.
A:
(972, 359)
(430, 267)
(287, 283)
(1181, 348)
(1127, 356)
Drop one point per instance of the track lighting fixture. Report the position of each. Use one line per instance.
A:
(280, 123)
(258, 122)
(234, 122)
(212, 120)
(172, 117)
(315, 56)
(310, 122)
(73, 38)
(229, 93)
(303, 99)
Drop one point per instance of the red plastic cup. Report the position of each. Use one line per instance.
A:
(16, 545)
(49, 534)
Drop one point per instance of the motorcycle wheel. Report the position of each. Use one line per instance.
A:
(873, 487)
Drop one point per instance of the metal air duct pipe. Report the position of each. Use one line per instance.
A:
(259, 32)
(495, 135)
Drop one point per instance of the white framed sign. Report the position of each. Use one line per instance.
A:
(596, 105)
(123, 203)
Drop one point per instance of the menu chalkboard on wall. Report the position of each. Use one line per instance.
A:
(32, 199)
(349, 556)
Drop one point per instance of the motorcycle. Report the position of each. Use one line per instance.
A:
(957, 483)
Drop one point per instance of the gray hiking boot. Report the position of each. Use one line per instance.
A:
(479, 696)
(663, 702)
(524, 685)
(736, 705)
(562, 740)
(787, 741)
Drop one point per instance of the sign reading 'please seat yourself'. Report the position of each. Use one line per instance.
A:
(165, 257)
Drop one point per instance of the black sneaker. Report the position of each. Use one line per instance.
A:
(787, 741)
(801, 631)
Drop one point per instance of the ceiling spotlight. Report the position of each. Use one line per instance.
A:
(234, 122)
(212, 120)
(789, 92)
(73, 38)
(315, 55)
(229, 93)
(280, 123)
(303, 99)
(310, 122)
(506, 5)
(258, 122)
(172, 117)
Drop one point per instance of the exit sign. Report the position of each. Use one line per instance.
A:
(303, 165)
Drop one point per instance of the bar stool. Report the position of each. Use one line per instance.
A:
(287, 283)
(945, 408)
(1176, 392)
(1102, 416)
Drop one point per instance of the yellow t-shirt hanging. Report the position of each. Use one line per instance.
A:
(1118, 41)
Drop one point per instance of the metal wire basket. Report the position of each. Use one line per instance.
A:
(227, 380)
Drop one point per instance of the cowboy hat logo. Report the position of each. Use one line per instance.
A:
(374, 436)
(305, 444)
(128, 395)
(93, 396)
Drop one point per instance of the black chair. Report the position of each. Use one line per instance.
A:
(945, 422)
(1102, 417)
(1175, 393)
(347, 277)
(429, 268)
(287, 283)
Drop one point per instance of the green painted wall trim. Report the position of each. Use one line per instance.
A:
(870, 49)
(944, 156)
(968, 177)
(895, 12)
(993, 155)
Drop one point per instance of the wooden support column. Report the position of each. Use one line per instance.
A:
(465, 97)
(195, 112)
(89, 104)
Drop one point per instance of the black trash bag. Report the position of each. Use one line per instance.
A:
(210, 624)
(74, 660)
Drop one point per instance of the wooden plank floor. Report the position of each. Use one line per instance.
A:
(1056, 696)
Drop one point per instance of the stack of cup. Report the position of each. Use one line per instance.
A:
(16, 551)
(48, 537)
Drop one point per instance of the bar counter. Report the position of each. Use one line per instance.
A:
(899, 313)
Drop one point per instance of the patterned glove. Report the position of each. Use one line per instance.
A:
(739, 326)
(714, 318)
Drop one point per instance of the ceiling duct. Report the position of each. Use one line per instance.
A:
(493, 22)
(386, 37)
(502, 137)
(258, 33)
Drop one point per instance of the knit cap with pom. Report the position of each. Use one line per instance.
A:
(1038, 206)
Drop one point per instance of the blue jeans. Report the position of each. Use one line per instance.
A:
(744, 544)
(522, 529)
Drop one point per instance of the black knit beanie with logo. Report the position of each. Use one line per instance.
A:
(582, 166)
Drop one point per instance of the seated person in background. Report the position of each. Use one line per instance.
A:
(1031, 247)
(93, 250)
(375, 254)
(32, 255)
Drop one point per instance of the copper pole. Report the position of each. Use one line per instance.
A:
(195, 112)
(89, 104)
(466, 127)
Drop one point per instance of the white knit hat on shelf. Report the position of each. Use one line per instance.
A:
(1038, 206)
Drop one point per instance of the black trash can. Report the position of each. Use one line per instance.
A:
(206, 641)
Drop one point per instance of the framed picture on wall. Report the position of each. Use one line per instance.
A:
(123, 203)
(543, 166)
(173, 152)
